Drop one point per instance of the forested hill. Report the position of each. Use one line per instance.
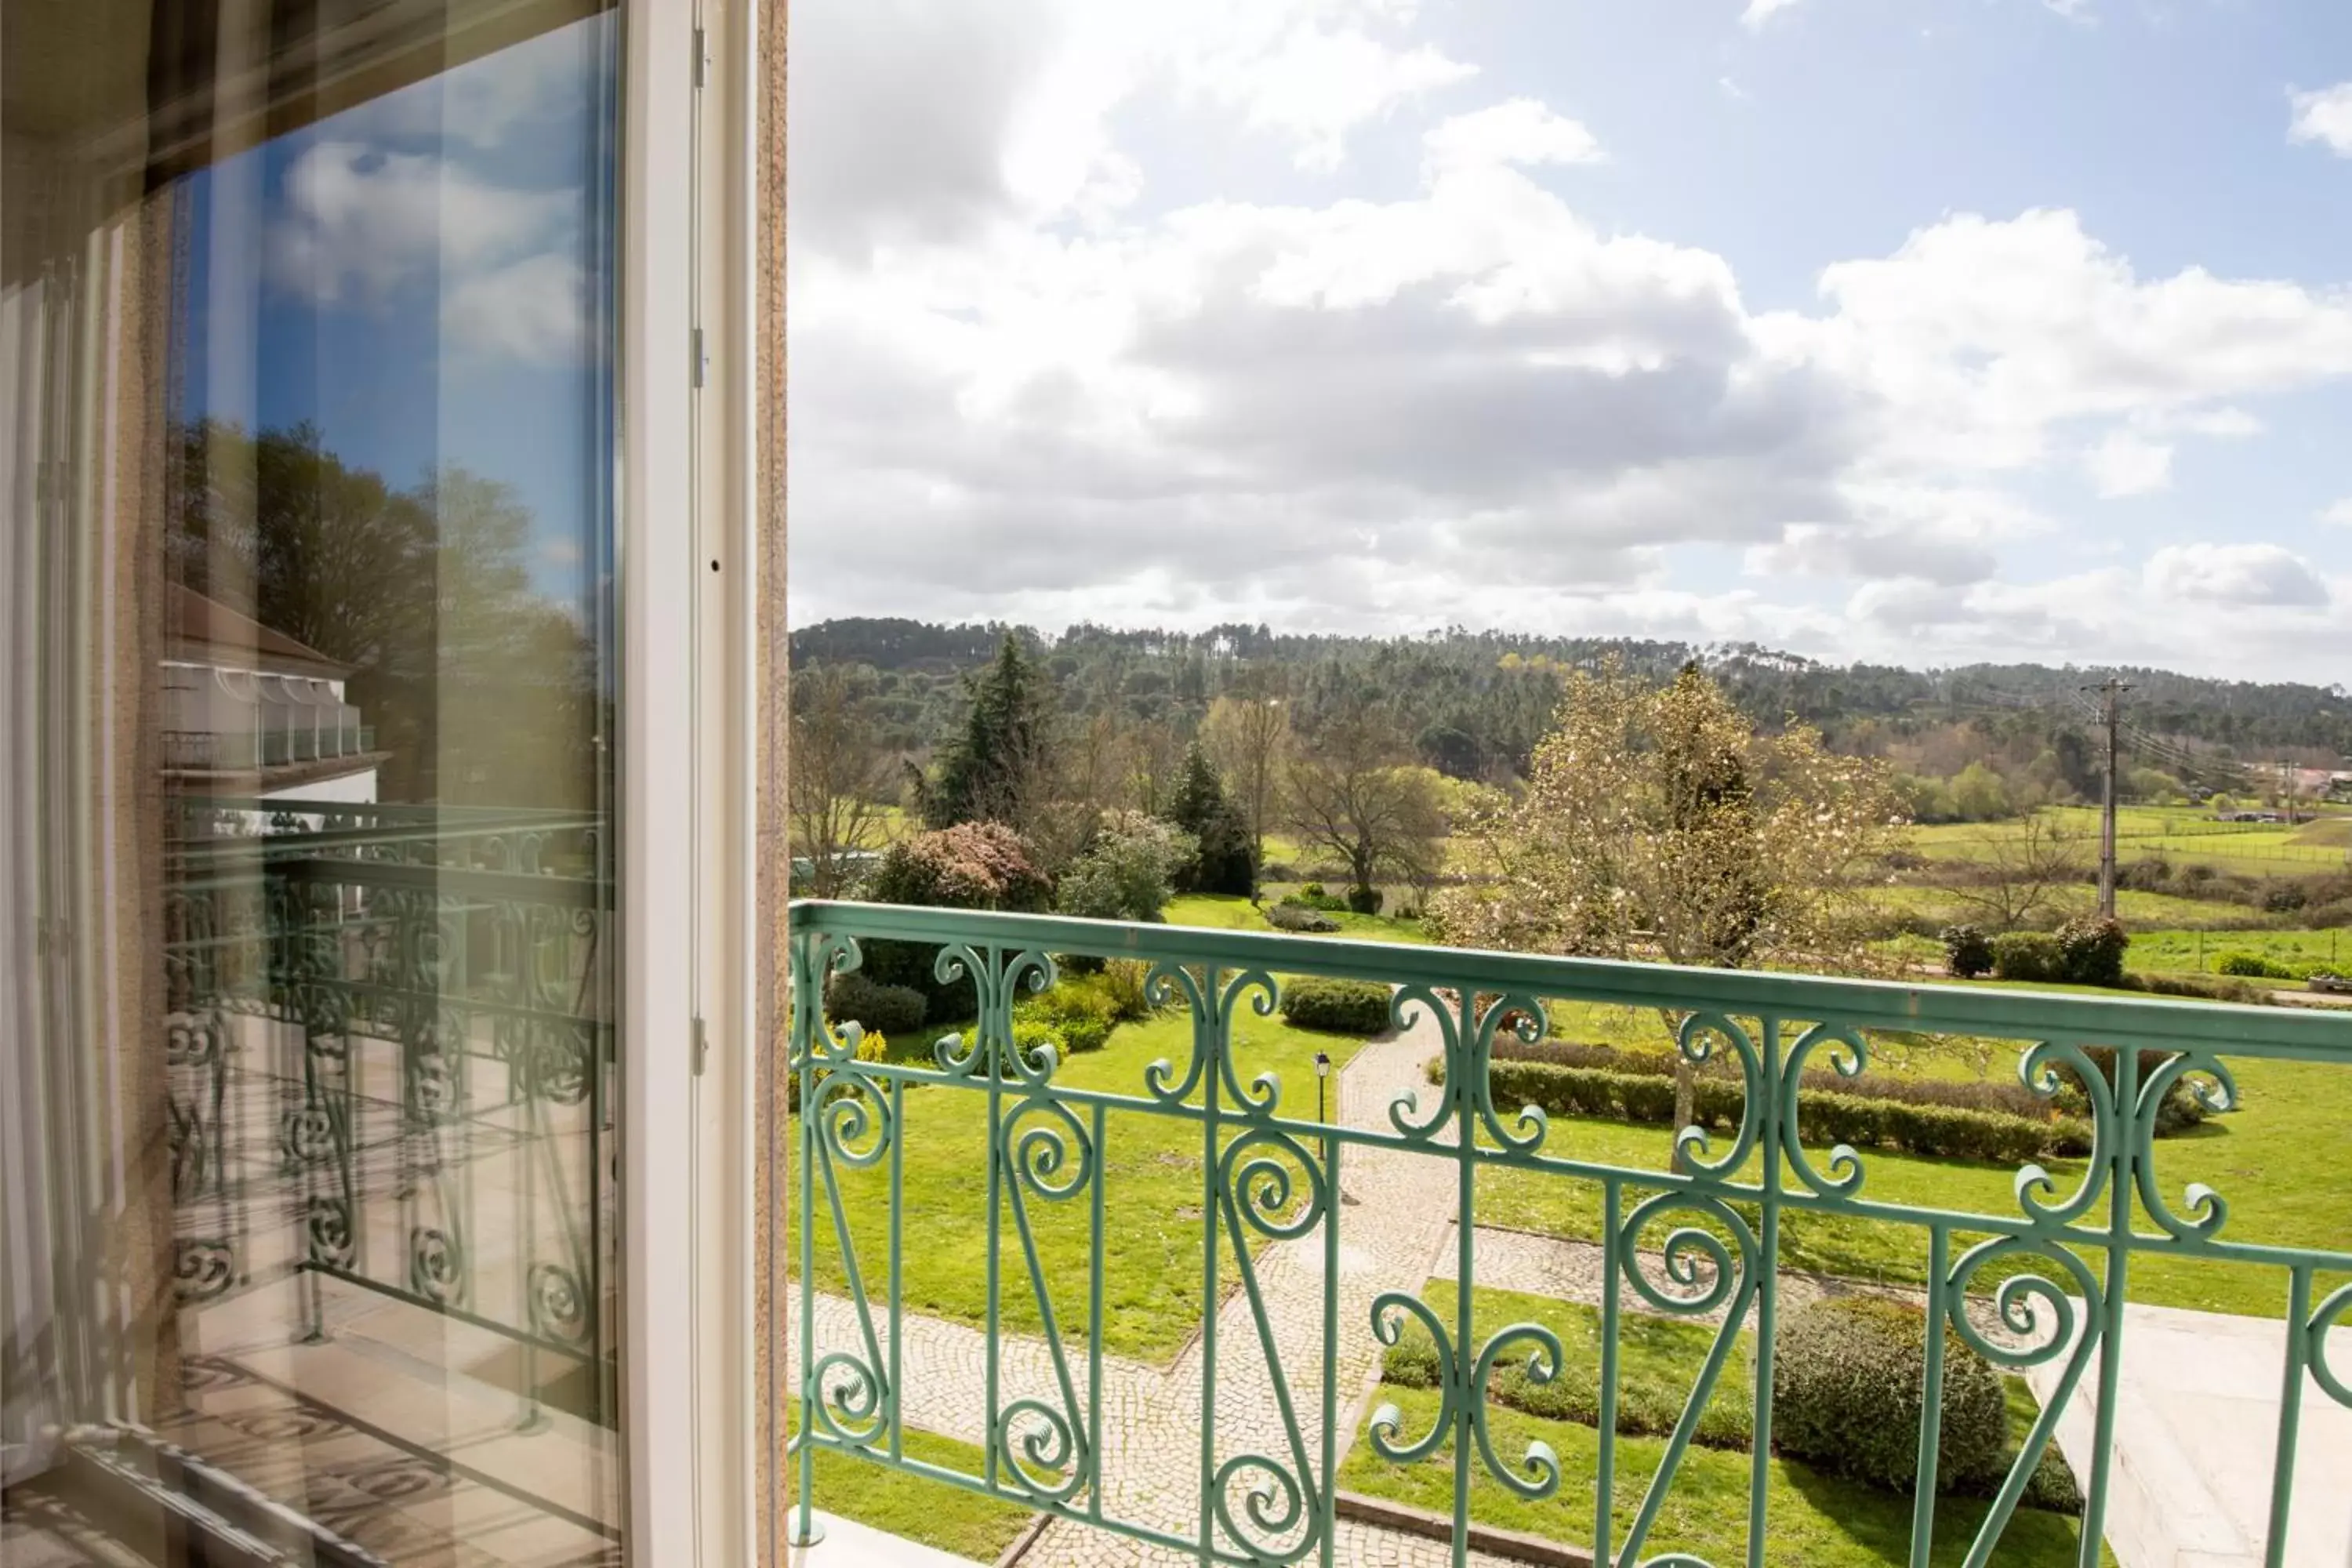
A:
(1478, 700)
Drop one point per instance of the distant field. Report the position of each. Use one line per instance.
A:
(2178, 835)
(1943, 906)
(2201, 951)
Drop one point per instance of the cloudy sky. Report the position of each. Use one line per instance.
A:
(1920, 330)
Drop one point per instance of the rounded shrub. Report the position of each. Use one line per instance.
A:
(2252, 967)
(879, 1009)
(1358, 1007)
(1967, 952)
(1847, 1374)
(2091, 949)
(2031, 955)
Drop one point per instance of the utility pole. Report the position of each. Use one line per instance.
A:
(2110, 692)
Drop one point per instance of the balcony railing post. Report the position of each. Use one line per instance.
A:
(1931, 1401)
(1466, 1414)
(809, 962)
(1768, 1275)
(1212, 1038)
(2298, 1313)
(2124, 1133)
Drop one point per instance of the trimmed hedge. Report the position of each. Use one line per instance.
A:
(2252, 967)
(2004, 1095)
(1823, 1117)
(873, 1007)
(1358, 1007)
(1847, 1396)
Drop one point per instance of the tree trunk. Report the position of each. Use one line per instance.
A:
(1685, 1107)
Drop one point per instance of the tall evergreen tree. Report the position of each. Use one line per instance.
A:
(1226, 862)
(994, 769)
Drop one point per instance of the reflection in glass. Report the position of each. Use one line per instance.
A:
(307, 913)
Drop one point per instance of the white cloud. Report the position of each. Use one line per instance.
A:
(2255, 575)
(1759, 12)
(1519, 131)
(1316, 86)
(2324, 116)
(2341, 514)
(1020, 389)
(360, 223)
(2126, 464)
(533, 309)
(1002, 114)
(1981, 337)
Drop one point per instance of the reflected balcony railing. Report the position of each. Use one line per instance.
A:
(984, 1150)
(390, 1057)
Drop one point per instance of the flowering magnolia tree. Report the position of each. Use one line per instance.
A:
(1656, 823)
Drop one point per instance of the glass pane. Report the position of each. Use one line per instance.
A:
(308, 955)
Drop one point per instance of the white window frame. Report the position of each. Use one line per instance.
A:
(686, 765)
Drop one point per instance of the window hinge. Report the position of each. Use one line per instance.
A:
(702, 360)
(701, 1045)
(701, 58)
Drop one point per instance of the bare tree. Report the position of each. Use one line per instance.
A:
(2022, 876)
(841, 781)
(1247, 734)
(1355, 792)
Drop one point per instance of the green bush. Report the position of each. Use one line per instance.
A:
(2030, 955)
(1028, 1033)
(1123, 981)
(1967, 952)
(2252, 967)
(1078, 1010)
(1847, 1384)
(1358, 1007)
(1824, 1118)
(857, 998)
(2091, 949)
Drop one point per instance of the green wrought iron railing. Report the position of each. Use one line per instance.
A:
(2051, 1274)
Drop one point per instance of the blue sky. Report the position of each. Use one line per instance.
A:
(1930, 330)
(419, 277)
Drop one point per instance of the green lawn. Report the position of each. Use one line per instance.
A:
(1815, 1518)
(1226, 911)
(1820, 1520)
(2201, 951)
(1151, 1268)
(946, 1517)
(2260, 1158)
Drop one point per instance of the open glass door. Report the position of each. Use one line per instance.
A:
(310, 952)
